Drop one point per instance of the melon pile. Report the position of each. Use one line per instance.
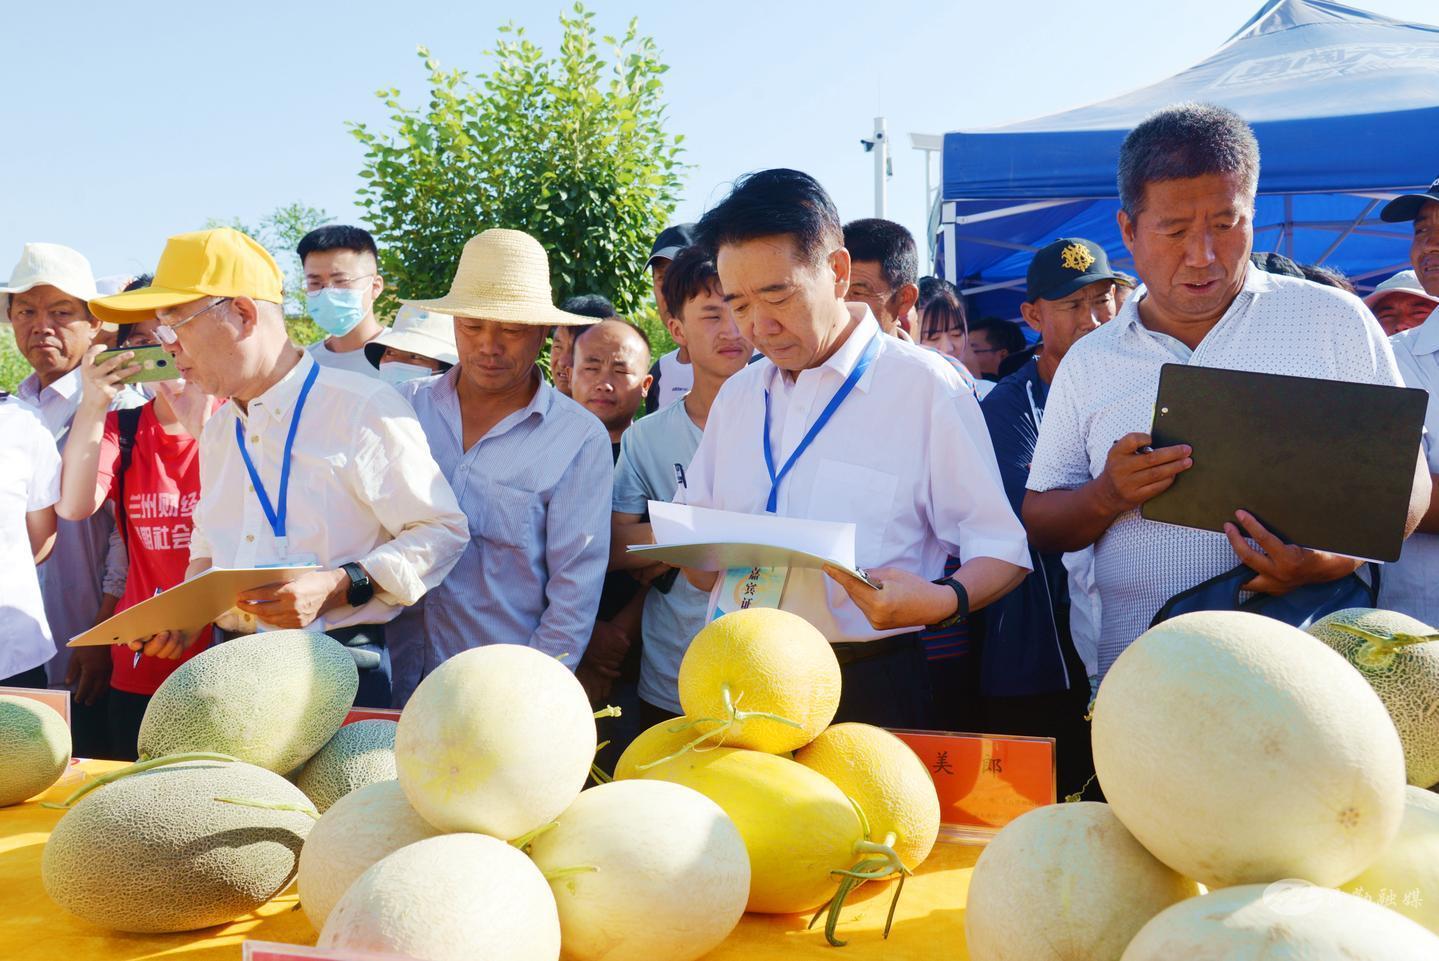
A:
(1242, 755)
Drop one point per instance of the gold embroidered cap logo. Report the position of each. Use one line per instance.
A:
(1076, 257)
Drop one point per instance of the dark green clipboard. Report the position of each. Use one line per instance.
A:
(1325, 464)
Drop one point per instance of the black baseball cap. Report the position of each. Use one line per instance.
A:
(1061, 268)
(670, 242)
(1406, 206)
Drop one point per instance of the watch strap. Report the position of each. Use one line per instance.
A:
(361, 587)
(961, 611)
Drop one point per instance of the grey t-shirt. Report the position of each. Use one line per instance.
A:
(654, 455)
(351, 360)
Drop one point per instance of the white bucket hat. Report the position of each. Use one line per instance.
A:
(503, 275)
(52, 264)
(1406, 282)
(417, 331)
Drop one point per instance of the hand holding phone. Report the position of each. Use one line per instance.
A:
(155, 363)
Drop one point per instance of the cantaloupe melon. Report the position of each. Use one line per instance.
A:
(1389, 650)
(1257, 922)
(359, 754)
(155, 851)
(1240, 750)
(767, 675)
(497, 740)
(34, 748)
(458, 897)
(888, 781)
(1065, 882)
(797, 826)
(270, 699)
(1406, 876)
(369, 823)
(658, 742)
(643, 870)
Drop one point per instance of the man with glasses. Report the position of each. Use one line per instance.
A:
(989, 342)
(46, 303)
(342, 281)
(884, 274)
(370, 509)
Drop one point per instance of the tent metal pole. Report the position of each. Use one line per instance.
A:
(1286, 237)
(1363, 214)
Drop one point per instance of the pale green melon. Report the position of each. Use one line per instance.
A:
(34, 748)
(271, 699)
(155, 851)
(359, 754)
(1400, 660)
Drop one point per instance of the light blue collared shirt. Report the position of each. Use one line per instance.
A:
(536, 490)
(1411, 584)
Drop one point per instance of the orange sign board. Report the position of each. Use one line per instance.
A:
(59, 700)
(370, 713)
(985, 781)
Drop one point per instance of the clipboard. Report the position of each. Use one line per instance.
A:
(185, 607)
(1324, 464)
(723, 556)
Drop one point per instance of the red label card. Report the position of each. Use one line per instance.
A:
(985, 781)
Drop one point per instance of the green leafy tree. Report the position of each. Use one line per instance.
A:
(279, 232)
(572, 149)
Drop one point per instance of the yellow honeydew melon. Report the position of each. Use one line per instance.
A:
(797, 826)
(1399, 657)
(644, 870)
(1065, 882)
(156, 851)
(748, 668)
(656, 743)
(362, 827)
(497, 740)
(271, 699)
(1289, 921)
(888, 781)
(34, 748)
(457, 897)
(1240, 750)
(360, 753)
(1406, 876)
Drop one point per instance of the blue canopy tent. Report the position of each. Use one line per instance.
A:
(1345, 105)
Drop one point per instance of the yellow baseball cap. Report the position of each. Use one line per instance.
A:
(221, 262)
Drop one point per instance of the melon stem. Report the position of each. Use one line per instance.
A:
(525, 840)
(1381, 646)
(885, 865)
(733, 717)
(135, 768)
(270, 806)
(608, 711)
(559, 874)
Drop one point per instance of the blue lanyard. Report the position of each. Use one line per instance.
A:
(870, 350)
(277, 518)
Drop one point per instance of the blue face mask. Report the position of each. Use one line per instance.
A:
(336, 310)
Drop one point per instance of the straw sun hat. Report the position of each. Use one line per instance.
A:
(503, 275)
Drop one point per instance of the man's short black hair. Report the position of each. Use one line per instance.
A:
(337, 237)
(691, 274)
(1002, 333)
(886, 243)
(1182, 142)
(589, 305)
(1328, 276)
(768, 203)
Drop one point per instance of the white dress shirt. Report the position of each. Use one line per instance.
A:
(536, 491)
(89, 558)
(363, 488)
(1410, 585)
(906, 458)
(1106, 388)
(29, 481)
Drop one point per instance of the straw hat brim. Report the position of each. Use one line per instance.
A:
(536, 315)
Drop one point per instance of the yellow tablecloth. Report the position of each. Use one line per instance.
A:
(929, 923)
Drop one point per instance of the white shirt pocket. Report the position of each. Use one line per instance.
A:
(857, 495)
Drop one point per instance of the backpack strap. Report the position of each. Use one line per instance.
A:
(129, 424)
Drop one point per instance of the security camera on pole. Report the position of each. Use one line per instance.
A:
(880, 139)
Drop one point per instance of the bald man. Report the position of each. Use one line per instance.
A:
(611, 374)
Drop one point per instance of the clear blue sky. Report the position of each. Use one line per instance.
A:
(125, 126)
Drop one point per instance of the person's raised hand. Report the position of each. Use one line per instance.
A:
(102, 381)
(165, 646)
(1133, 474)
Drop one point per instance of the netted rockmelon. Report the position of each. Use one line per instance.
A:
(34, 748)
(156, 851)
(359, 754)
(1397, 658)
(270, 699)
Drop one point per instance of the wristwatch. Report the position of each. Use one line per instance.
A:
(961, 611)
(361, 587)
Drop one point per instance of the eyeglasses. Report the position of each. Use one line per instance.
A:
(165, 333)
(315, 286)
